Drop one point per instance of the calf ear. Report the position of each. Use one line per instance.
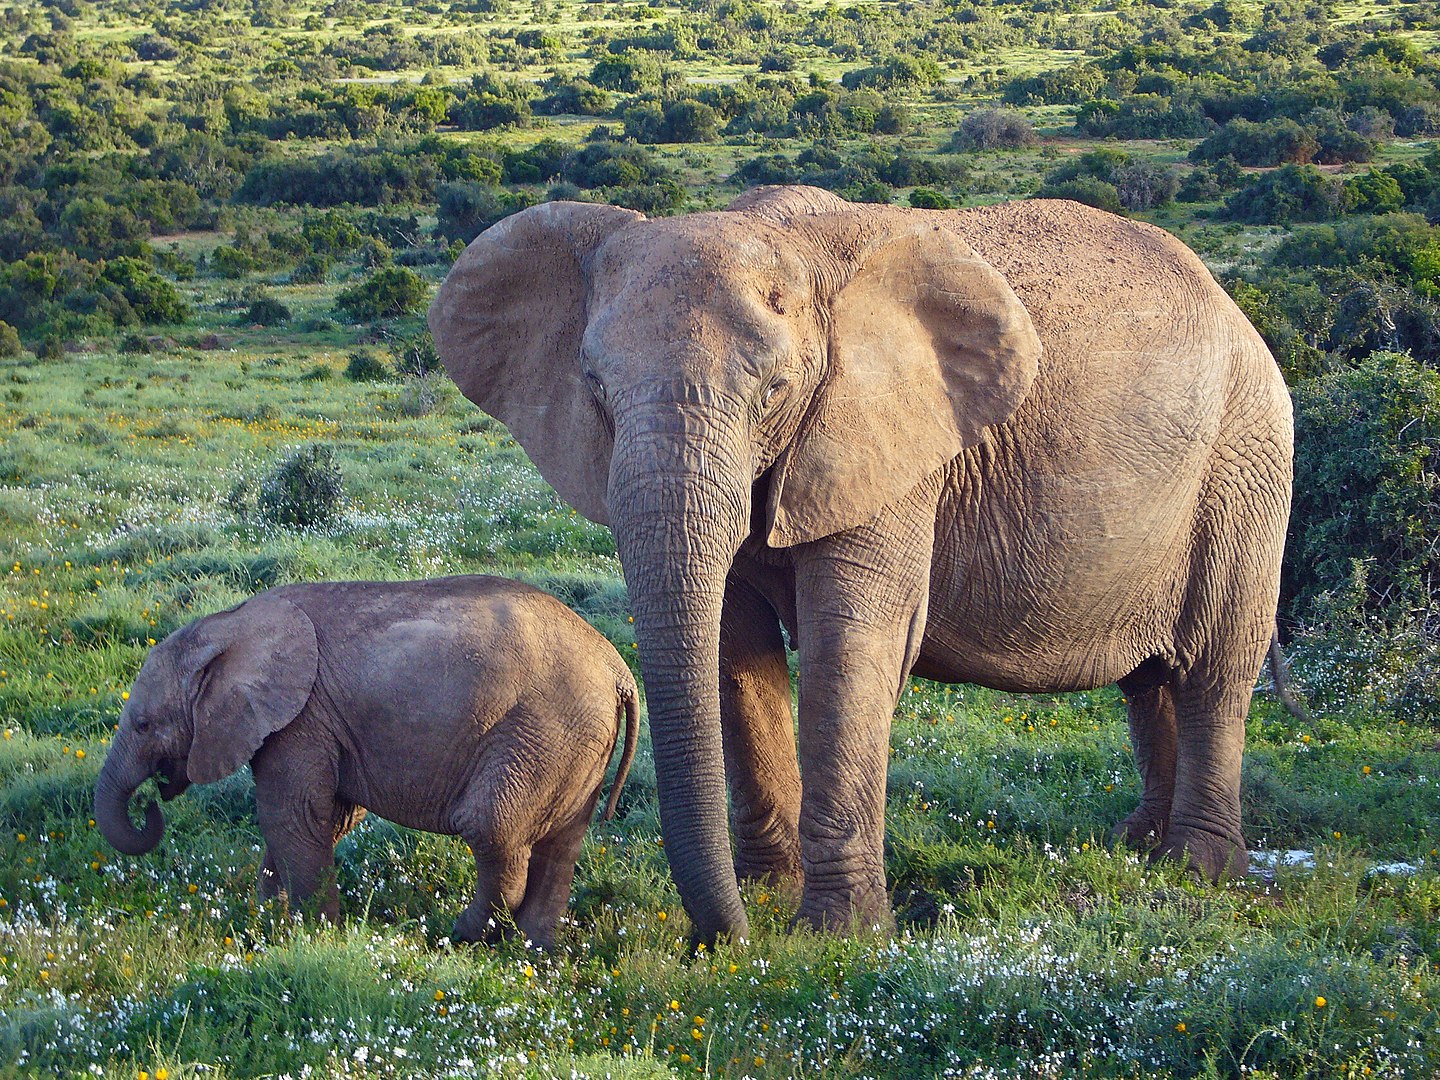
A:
(250, 672)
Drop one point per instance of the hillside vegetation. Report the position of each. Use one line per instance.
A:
(220, 221)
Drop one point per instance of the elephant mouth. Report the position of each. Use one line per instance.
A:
(173, 778)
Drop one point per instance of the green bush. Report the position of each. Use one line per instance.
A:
(365, 365)
(1289, 194)
(1273, 142)
(1206, 182)
(303, 490)
(375, 253)
(1085, 189)
(466, 209)
(150, 297)
(10, 345)
(898, 72)
(628, 72)
(267, 311)
(929, 199)
(417, 356)
(688, 121)
(1375, 193)
(1143, 116)
(233, 262)
(310, 270)
(1367, 487)
(682, 121)
(576, 96)
(390, 292)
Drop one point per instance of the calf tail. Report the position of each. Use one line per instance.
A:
(630, 703)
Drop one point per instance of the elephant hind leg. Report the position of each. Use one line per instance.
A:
(551, 874)
(500, 871)
(1226, 617)
(1204, 830)
(1150, 707)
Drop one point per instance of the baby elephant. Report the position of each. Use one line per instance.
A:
(471, 706)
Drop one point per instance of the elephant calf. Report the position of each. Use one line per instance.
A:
(470, 706)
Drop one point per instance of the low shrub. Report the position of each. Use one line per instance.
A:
(994, 129)
(267, 312)
(303, 490)
(365, 365)
(10, 345)
(417, 356)
(929, 199)
(388, 293)
(1084, 189)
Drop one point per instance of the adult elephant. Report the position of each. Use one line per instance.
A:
(1032, 446)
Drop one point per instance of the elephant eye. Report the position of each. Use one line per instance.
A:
(777, 384)
(142, 726)
(593, 383)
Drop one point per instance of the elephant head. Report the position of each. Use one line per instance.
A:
(780, 371)
(205, 699)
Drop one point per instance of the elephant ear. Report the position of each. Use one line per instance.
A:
(252, 670)
(928, 347)
(507, 324)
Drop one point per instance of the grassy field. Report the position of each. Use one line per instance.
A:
(1026, 946)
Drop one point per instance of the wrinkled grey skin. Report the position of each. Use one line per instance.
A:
(469, 706)
(1031, 446)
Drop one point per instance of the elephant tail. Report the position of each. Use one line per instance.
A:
(630, 703)
(1280, 676)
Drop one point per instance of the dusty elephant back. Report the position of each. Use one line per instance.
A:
(500, 636)
(1067, 262)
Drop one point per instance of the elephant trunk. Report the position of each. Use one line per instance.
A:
(120, 776)
(678, 521)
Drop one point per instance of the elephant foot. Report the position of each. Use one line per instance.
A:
(538, 932)
(478, 927)
(865, 907)
(539, 939)
(1143, 830)
(1212, 856)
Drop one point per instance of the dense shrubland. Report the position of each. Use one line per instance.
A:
(218, 221)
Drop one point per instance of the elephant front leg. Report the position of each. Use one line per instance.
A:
(301, 819)
(861, 604)
(758, 730)
(299, 862)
